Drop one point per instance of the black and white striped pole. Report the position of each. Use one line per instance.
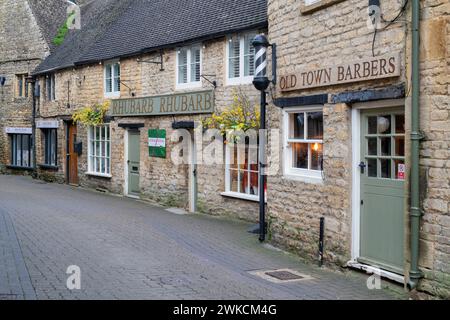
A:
(261, 82)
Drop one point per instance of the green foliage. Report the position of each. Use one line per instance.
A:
(62, 31)
(91, 115)
(240, 116)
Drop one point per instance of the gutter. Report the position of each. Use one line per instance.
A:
(415, 212)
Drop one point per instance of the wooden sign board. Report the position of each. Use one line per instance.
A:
(361, 70)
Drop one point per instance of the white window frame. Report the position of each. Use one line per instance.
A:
(92, 170)
(112, 94)
(228, 192)
(305, 175)
(189, 84)
(241, 79)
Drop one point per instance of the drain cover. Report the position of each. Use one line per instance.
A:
(281, 275)
(284, 275)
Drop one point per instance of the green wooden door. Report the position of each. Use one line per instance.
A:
(382, 189)
(134, 163)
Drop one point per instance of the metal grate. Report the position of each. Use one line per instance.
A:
(284, 275)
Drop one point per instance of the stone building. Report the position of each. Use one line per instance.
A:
(27, 28)
(187, 65)
(339, 114)
(343, 104)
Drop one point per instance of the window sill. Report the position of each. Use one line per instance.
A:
(48, 167)
(112, 95)
(239, 81)
(306, 9)
(19, 168)
(241, 196)
(188, 86)
(303, 178)
(99, 175)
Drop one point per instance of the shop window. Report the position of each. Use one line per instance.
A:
(99, 149)
(303, 148)
(189, 67)
(22, 86)
(50, 147)
(240, 58)
(112, 79)
(21, 150)
(50, 84)
(242, 174)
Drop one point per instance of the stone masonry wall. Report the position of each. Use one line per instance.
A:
(161, 181)
(333, 35)
(435, 148)
(22, 47)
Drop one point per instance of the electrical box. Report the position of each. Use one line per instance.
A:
(78, 148)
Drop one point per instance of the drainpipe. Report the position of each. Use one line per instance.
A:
(415, 212)
(32, 80)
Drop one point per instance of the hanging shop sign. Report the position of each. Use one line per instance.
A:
(47, 124)
(157, 143)
(182, 103)
(361, 70)
(10, 130)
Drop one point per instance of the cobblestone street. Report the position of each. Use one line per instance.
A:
(127, 249)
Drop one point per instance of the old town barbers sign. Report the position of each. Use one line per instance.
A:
(360, 70)
(183, 103)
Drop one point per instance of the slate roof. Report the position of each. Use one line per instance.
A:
(49, 14)
(96, 16)
(146, 25)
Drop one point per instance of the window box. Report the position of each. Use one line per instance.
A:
(240, 64)
(188, 68)
(112, 79)
(240, 196)
(303, 144)
(19, 168)
(99, 175)
(309, 6)
(48, 167)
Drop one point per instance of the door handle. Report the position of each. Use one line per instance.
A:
(362, 167)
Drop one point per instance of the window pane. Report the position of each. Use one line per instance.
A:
(249, 55)
(299, 125)
(400, 123)
(316, 156)
(25, 151)
(116, 77)
(384, 125)
(372, 146)
(385, 168)
(386, 146)
(234, 180)
(182, 66)
(195, 65)
(234, 57)
(315, 125)
(372, 125)
(400, 146)
(19, 86)
(300, 155)
(372, 168)
(108, 78)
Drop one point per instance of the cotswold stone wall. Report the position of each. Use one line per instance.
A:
(333, 35)
(22, 47)
(435, 148)
(338, 34)
(161, 181)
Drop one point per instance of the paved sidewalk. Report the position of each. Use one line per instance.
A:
(127, 249)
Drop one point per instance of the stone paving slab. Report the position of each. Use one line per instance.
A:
(127, 249)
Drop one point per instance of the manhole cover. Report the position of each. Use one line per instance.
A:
(284, 275)
(281, 275)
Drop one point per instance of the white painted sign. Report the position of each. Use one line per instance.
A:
(157, 142)
(11, 130)
(47, 124)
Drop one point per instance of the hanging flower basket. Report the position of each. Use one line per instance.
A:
(91, 115)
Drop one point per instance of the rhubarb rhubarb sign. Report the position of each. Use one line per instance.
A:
(361, 70)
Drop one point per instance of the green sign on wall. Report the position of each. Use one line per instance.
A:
(157, 143)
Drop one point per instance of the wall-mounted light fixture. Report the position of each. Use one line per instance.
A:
(212, 82)
(2, 81)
